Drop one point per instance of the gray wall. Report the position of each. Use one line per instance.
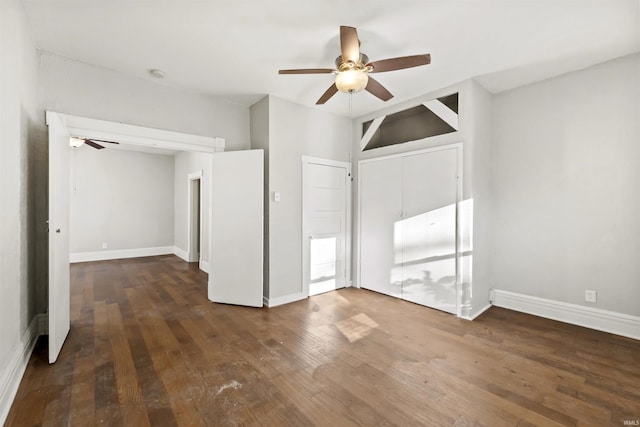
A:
(259, 114)
(18, 158)
(122, 198)
(477, 177)
(186, 163)
(565, 182)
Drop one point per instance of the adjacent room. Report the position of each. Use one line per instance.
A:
(320, 213)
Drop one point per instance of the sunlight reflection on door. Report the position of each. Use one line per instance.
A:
(426, 258)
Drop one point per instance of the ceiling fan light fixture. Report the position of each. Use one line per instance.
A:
(351, 80)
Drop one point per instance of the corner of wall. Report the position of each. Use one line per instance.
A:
(480, 195)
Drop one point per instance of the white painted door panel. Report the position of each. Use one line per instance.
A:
(429, 194)
(380, 232)
(59, 271)
(237, 228)
(324, 224)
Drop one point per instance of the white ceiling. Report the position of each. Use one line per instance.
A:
(234, 49)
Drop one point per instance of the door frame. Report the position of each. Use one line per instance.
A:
(306, 160)
(125, 134)
(191, 178)
(459, 231)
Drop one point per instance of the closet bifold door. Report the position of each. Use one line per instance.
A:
(380, 226)
(428, 229)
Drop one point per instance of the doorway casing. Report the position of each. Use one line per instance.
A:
(126, 134)
(194, 218)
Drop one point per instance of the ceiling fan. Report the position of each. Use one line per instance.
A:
(353, 68)
(77, 142)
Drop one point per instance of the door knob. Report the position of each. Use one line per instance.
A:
(58, 230)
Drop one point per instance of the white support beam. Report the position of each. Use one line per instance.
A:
(370, 132)
(445, 113)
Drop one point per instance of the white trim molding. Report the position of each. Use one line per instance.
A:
(181, 253)
(445, 113)
(137, 135)
(192, 256)
(286, 299)
(375, 124)
(477, 314)
(594, 318)
(122, 253)
(11, 373)
(204, 265)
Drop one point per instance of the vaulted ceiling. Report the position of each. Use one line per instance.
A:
(234, 49)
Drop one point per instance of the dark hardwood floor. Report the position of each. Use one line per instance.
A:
(146, 347)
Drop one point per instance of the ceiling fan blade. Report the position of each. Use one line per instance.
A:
(308, 71)
(95, 145)
(378, 90)
(328, 94)
(349, 44)
(102, 140)
(400, 63)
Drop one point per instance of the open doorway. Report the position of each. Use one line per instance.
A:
(60, 128)
(194, 206)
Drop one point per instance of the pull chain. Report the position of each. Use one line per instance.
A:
(350, 145)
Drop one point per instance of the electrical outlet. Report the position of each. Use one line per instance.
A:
(104, 245)
(590, 296)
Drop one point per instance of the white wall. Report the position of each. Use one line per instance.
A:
(188, 163)
(84, 90)
(565, 181)
(18, 158)
(122, 198)
(294, 131)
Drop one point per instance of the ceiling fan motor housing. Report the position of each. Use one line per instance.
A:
(343, 65)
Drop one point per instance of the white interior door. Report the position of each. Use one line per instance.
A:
(380, 216)
(59, 272)
(428, 228)
(324, 222)
(236, 218)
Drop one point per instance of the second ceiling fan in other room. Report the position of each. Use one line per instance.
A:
(353, 68)
(77, 142)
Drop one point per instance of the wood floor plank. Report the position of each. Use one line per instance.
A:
(146, 347)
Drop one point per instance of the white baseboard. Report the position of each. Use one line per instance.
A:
(204, 266)
(184, 255)
(274, 302)
(477, 313)
(602, 320)
(181, 253)
(11, 374)
(120, 254)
